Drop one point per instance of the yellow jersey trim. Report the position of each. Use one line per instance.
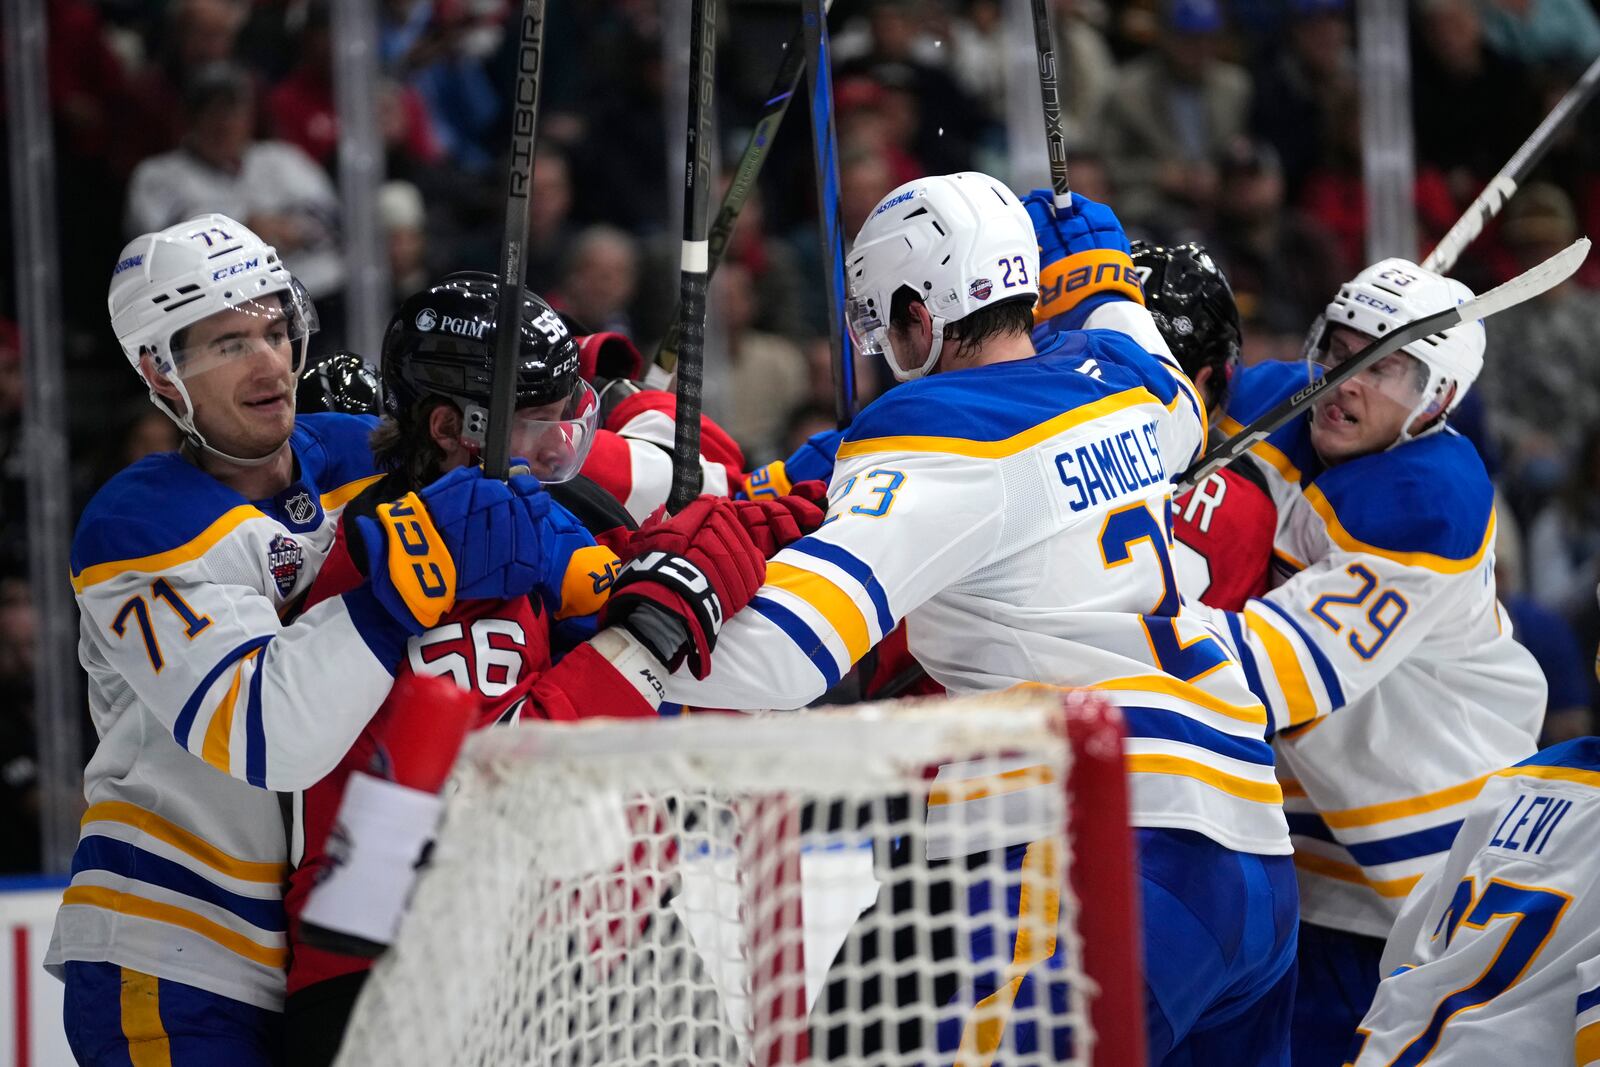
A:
(1232, 784)
(1428, 560)
(338, 498)
(990, 785)
(1270, 454)
(186, 842)
(95, 896)
(1291, 677)
(1169, 686)
(224, 525)
(1586, 1045)
(1373, 814)
(1009, 446)
(1393, 889)
(216, 750)
(1553, 774)
(829, 601)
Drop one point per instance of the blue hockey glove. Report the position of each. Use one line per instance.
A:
(465, 537)
(1083, 259)
(811, 462)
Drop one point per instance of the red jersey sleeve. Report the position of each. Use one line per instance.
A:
(1224, 530)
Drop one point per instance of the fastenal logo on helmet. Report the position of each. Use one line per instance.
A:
(426, 319)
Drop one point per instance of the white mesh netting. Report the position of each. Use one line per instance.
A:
(830, 886)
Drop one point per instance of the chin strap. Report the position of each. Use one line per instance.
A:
(937, 326)
(194, 437)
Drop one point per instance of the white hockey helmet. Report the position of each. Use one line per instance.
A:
(1391, 293)
(961, 242)
(167, 281)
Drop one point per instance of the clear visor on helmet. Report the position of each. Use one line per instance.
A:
(1400, 376)
(868, 331)
(276, 323)
(554, 438)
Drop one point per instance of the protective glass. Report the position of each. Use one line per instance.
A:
(1399, 376)
(555, 438)
(868, 332)
(280, 321)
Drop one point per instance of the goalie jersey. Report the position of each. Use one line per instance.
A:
(205, 702)
(1496, 957)
(1016, 515)
(1384, 659)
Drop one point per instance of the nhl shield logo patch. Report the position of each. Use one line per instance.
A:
(980, 288)
(300, 508)
(285, 557)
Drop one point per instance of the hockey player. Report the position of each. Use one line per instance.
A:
(1223, 528)
(1495, 956)
(437, 359)
(1387, 665)
(171, 937)
(1010, 501)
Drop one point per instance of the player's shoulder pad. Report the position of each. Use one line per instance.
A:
(155, 505)
(1581, 753)
(1258, 389)
(650, 415)
(988, 412)
(1428, 503)
(334, 449)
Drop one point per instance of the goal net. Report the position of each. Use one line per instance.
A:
(912, 882)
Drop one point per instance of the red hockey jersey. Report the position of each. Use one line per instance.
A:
(497, 650)
(1223, 531)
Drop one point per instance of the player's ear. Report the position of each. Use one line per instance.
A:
(159, 383)
(444, 427)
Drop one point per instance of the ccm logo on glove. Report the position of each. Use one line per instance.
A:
(686, 576)
(420, 567)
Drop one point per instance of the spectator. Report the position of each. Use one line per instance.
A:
(273, 187)
(1547, 635)
(1282, 266)
(1471, 106)
(772, 265)
(550, 228)
(197, 34)
(401, 214)
(767, 372)
(1564, 539)
(806, 419)
(1297, 85)
(1169, 118)
(438, 49)
(1547, 32)
(1542, 373)
(600, 280)
(19, 771)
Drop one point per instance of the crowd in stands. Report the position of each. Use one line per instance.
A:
(1232, 122)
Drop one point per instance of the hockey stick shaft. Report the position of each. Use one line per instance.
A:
(1055, 135)
(825, 153)
(1505, 184)
(508, 315)
(694, 265)
(1552, 272)
(754, 158)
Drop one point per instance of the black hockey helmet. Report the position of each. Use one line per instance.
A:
(441, 342)
(1192, 303)
(342, 382)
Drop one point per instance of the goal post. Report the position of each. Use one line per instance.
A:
(908, 882)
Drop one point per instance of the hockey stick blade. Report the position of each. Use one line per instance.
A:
(1525, 286)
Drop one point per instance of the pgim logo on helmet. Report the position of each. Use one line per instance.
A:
(427, 319)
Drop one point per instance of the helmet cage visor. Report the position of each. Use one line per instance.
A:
(1399, 376)
(554, 439)
(279, 321)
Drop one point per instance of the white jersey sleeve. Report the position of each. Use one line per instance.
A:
(1493, 958)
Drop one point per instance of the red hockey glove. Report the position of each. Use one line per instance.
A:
(774, 522)
(687, 573)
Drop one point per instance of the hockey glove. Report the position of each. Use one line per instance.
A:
(774, 523)
(687, 574)
(465, 537)
(1083, 259)
(812, 461)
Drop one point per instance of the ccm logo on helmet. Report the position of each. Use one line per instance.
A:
(238, 268)
(1372, 301)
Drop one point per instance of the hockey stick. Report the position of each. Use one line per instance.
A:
(744, 180)
(508, 315)
(1055, 136)
(694, 273)
(1530, 283)
(825, 152)
(1504, 185)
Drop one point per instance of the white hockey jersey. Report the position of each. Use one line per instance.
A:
(1016, 515)
(1495, 959)
(205, 701)
(1384, 659)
